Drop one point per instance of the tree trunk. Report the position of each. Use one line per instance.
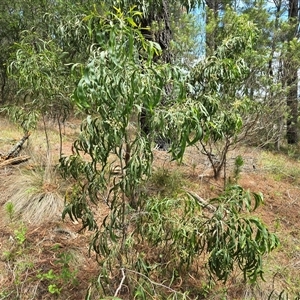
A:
(292, 78)
(163, 38)
(213, 7)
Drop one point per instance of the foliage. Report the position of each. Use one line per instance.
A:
(238, 163)
(117, 56)
(238, 238)
(34, 65)
(119, 80)
(9, 209)
(47, 39)
(165, 182)
(24, 118)
(185, 45)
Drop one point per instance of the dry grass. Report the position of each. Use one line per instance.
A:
(35, 193)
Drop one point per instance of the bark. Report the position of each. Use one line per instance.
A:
(14, 160)
(292, 103)
(292, 78)
(163, 37)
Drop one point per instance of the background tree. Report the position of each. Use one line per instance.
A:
(220, 83)
(47, 43)
(291, 67)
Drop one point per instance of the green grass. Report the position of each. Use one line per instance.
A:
(281, 167)
(166, 182)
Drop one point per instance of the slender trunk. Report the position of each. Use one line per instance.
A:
(3, 83)
(47, 137)
(60, 137)
(292, 103)
(279, 120)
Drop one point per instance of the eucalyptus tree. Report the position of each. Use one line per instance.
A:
(112, 163)
(15, 16)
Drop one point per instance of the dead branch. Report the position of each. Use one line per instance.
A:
(14, 160)
(17, 148)
(202, 202)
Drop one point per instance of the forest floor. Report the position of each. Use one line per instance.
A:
(43, 257)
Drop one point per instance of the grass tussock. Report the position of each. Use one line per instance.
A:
(166, 182)
(35, 194)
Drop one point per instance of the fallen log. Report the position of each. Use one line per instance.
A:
(14, 152)
(14, 160)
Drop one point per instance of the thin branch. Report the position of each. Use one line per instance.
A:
(156, 283)
(202, 202)
(121, 283)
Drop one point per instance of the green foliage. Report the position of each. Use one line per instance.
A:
(166, 182)
(59, 280)
(185, 45)
(9, 209)
(50, 276)
(20, 235)
(169, 234)
(18, 241)
(34, 64)
(236, 237)
(119, 81)
(23, 117)
(238, 164)
(220, 84)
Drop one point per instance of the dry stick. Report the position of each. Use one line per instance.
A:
(60, 137)
(46, 135)
(204, 203)
(121, 283)
(156, 283)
